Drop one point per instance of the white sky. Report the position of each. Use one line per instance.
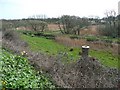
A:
(12, 9)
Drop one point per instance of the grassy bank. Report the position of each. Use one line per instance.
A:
(51, 47)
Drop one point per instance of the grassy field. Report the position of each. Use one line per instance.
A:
(50, 47)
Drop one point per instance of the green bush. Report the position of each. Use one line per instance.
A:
(17, 73)
(92, 39)
(74, 37)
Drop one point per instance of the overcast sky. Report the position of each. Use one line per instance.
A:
(13, 9)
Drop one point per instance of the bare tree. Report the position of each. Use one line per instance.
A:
(111, 24)
(37, 25)
(42, 16)
(111, 14)
(71, 24)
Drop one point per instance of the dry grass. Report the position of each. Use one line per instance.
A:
(70, 42)
(53, 27)
(90, 30)
(97, 45)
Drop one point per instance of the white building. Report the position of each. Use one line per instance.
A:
(119, 8)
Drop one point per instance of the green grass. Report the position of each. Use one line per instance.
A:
(43, 44)
(53, 48)
(50, 47)
(18, 73)
(106, 58)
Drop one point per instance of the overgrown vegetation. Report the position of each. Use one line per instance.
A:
(17, 73)
(111, 25)
(85, 74)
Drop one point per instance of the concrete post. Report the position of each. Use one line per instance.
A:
(85, 51)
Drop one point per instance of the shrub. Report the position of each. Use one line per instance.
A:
(10, 34)
(108, 40)
(74, 37)
(108, 30)
(92, 39)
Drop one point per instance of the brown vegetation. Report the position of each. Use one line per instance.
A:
(90, 30)
(53, 27)
(70, 42)
(96, 45)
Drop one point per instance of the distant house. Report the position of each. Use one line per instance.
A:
(119, 8)
(92, 22)
(103, 21)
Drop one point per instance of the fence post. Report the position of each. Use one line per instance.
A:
(85, 51)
